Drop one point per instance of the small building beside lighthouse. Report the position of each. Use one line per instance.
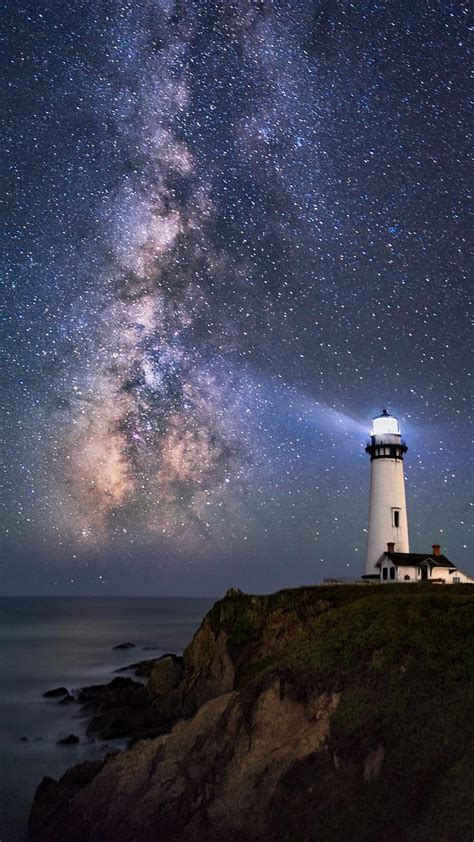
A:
(388, 521)
(418, 567)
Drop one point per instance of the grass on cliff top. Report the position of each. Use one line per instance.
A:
(389, 626)
(403, 660)
(344, 634)
(251, 610)
(242, 616)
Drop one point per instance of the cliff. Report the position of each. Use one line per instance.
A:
(312, 714)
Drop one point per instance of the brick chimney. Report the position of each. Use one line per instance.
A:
(391, 547)
(436, 549)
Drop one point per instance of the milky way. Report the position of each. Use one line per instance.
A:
(235, 231)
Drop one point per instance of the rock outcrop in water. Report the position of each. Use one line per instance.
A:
(71, 740)
(316, 714)
(119, 709)
(56, 693)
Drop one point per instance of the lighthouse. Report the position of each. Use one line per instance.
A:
(388, 522)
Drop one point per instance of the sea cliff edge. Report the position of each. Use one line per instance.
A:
(317, 713)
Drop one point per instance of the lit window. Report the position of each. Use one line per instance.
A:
(385, 425)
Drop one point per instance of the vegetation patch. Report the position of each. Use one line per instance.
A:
(241, 629)
(404, 663)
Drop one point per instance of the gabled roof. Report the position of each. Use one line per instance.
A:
(414, 559)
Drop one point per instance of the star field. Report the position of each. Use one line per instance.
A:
(234, 231)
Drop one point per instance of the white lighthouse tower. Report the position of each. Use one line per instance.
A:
(387, 504)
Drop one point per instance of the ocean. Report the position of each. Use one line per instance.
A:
(51, 642)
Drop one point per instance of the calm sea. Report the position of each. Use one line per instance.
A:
(47, 642)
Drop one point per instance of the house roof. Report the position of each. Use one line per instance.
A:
(413, 559)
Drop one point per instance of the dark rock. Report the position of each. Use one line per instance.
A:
(141, 669)
(66, 700)
(72, 740)
(126, 645)
(117, 693)
(131, 723)
(47, 820)
(121, 709)
(163, 684)
(56, 693)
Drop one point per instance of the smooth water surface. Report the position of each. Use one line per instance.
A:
(50, 642)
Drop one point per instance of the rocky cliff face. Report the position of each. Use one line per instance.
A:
(238, 636)
(314, 714)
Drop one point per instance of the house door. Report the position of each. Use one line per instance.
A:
(424, 571)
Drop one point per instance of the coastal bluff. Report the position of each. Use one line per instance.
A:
(313, 714)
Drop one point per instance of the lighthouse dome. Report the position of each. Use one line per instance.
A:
(385, 424)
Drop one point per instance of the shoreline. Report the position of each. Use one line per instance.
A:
(276, 694)
(46, 643)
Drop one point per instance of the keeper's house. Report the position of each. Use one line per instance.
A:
(416, 567)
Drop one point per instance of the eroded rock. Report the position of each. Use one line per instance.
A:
(202, 780)
(56, 693)
(120, 709)
(141, 669)
(294, 722)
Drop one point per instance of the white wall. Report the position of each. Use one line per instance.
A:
(415, 574)
(412, 572)
(400, 573)
(387, 492)
(444, 574)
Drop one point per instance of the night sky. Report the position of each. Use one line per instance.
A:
(234, 231)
